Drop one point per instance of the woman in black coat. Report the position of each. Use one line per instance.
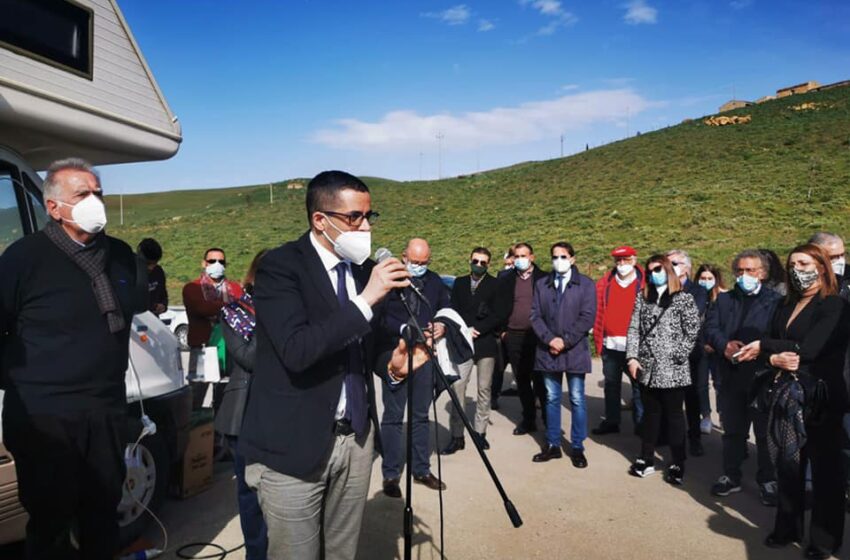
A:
(808, 340)
(238, 321)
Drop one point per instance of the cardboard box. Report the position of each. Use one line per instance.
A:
(196, 470)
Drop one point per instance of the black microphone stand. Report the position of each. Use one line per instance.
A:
(411, 337)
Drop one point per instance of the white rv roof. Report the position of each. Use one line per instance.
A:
(117, 116)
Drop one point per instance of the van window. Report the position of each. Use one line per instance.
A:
(10, 215)
(35, 203)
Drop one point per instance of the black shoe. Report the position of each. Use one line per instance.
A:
(494, 404)
(578, 459)
(675, 474)
(391, 488)
(456, 444)
(548, 452)
(430, 481)
(816, 553)
(482, 439)
(606, 427)
(696, 449)
(524, 428)
(773, 542)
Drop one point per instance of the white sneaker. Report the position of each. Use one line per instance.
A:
(705, 425)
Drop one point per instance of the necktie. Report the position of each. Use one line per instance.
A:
(559, 286)
(355, 385)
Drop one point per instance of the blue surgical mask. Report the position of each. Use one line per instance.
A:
(659, 278)
(747, 283)
(707, 284)
(522, 264)
(417, 270)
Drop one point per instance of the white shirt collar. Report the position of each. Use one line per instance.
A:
(565, 278)
(329, 258)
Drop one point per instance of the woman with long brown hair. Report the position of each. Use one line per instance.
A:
(807, 400)
(662, 332)
(238, 320)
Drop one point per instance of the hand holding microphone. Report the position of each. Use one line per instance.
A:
(388, 274)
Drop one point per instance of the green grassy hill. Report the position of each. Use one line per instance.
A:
(711, 190)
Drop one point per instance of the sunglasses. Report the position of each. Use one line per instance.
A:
(563, 257)
(656, 269)
(213, 261)
(355, 219)
(480, 262)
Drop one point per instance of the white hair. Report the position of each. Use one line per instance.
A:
(823, 238)
(685, 257)
(51, 188)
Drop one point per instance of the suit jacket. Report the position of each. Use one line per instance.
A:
(484, 310)
(570, 318)
(202, 313)
(725, 321)
(302, 334)
(393, 313)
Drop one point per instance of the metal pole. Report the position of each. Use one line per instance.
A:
(121, 204)
(271, 193)
(440, 137)
(562, 145)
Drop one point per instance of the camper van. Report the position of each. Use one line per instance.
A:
(73, 82)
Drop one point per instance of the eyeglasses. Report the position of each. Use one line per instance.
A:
(213, 261)
(564, 257)
(480, 262)
(354, 219)
(675, 263)
(750, 271)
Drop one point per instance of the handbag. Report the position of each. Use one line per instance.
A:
(761, 391)
(816, 398)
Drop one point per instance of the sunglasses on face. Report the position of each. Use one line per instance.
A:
(213, 261)
(563, 257)
(656, 269)
(479, 262)
(355, 219)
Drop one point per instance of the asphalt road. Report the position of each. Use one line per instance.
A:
(599, 512)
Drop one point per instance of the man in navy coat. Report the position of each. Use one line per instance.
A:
(310, 420)
(562, 313)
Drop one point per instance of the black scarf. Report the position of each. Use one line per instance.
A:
(92, 260)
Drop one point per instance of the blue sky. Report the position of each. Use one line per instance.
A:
(269, 90)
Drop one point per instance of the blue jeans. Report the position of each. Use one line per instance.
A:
(578, 427)
(613, 368)
(250, 515)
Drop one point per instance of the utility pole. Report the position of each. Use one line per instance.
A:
(121, 204)
(562, 145)
(271, 194)
(440, 137)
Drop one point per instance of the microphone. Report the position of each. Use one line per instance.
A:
(383, 254)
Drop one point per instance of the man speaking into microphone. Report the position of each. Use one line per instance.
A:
(310, 419)
(425, 296)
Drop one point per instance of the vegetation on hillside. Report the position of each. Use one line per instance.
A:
(710, 190)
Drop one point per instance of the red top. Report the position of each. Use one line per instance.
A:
(202, 313)
(621, 302)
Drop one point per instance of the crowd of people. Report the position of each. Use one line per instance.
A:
(315, 318)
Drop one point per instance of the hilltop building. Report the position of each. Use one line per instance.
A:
(734, 104)
(797, 89)
(761, 100)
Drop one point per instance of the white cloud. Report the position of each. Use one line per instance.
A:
(638, 12)
(553, 9)
(740, 4)
(502, 126)
(456, 15)
(486, 25)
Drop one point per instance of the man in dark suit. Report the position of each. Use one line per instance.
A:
(502, 356)
(517, 289)
(476, 299)
(307, 433)
(432, 295)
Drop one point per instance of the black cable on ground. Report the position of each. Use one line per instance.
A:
(199, 545)
(439, 467)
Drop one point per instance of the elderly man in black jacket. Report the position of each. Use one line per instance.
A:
(67, 297)
(430, 296)
(738, 317)
(476, 299)
(307, 433)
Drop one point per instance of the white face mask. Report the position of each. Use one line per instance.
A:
(625, 269)
(89, 214)
(838, 266)
(561, 266)
(678, 270)
(355, 246)
(215, 270)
